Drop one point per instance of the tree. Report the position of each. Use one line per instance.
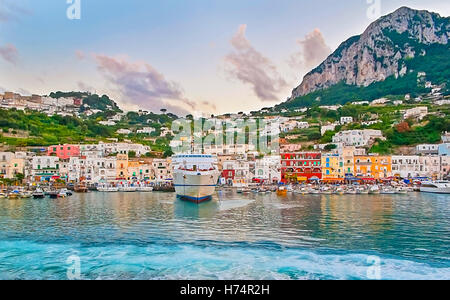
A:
(403, 127)
(132, 154)
(330, 147)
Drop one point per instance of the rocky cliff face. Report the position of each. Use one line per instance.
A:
(379, 52)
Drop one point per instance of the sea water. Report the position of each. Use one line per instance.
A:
(156, 236)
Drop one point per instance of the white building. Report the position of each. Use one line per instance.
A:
(359, 138)
(381, 101)
(107, 123)
(428, 149)
(326, 128)
(361, 103)
(123, 131)
(346, 120)
(416, 113)
(146, 130)
(410, 166)
(235, 149)
(268, 168)
(49, 165)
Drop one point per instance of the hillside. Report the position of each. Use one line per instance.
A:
(389, 58)
(94, 101)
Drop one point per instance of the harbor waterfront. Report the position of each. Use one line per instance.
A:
(235, 236)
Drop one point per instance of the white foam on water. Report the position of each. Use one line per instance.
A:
(28, 260)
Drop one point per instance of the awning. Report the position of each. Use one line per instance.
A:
(314, 178)
(367, 179)
(333, 179)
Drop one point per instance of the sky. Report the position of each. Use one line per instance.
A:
(187, 56)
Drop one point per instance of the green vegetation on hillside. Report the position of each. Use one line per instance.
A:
(94, 101)
(44, 130)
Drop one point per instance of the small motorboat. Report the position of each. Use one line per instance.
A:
(145, 189)
(282, 191)
(26, 194)
(67, 192)
(53, 194)
(374, 190)
(14, 194)
(387, 191)
(39, 194)
(62, 194)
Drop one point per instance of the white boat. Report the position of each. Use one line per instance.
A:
(107, 189)
(128, 189)
(145, 189)
(388, 191)
(436, 187)
(62, 194)
(374, 190)
(26, 194)
(38, 194)
(195, 176)
(402, 190)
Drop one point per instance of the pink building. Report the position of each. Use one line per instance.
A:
(64, 151)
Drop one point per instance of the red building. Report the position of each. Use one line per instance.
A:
(64, 151)
(77, 102)
(301, 167)
(228, 175)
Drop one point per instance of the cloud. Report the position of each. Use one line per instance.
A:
(10, 11)
(80, 55)
(314, 51)
(141, 85)
(9, 53)
(251, 67)
(83, 87)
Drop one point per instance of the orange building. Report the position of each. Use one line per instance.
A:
(373, 166)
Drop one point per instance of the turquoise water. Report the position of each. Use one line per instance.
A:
(156, 236)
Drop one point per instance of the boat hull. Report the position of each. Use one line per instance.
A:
(435, 190)
(196, 188)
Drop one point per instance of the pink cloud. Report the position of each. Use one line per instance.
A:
(313, 52)
(9, 53)
(141, 84)
(250, 67)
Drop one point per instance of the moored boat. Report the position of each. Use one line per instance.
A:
(81, 188)
(435, 187)
(195, 176)
(282, 191)
(38, 194)
(26, 194)
(14, 194)
(145, 189)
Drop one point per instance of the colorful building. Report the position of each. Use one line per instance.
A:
(122, 167)
(373, 166)
(64, 151)
(332, 167)
(301, 167)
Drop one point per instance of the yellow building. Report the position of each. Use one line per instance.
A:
(16, 166)
(373, 166)
(348, 158)
(140, 169)
(332, 167)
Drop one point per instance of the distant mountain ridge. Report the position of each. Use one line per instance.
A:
(388, 48)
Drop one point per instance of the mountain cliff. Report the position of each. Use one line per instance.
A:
(391, 47)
